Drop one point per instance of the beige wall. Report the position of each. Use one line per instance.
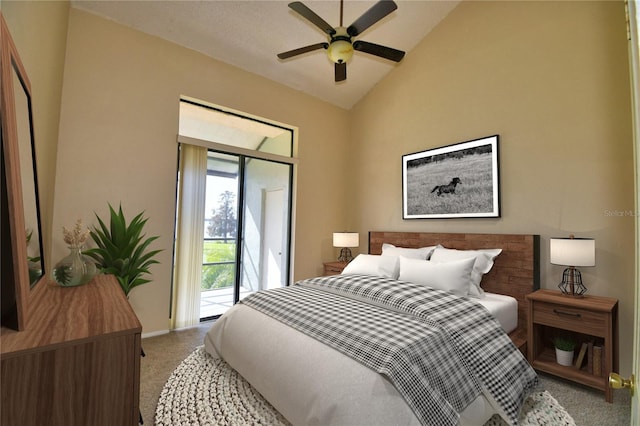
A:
(551, 78)
(39, 29)
(119, 122)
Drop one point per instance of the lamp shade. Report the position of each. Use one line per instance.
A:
(346, 239)
(572, 251)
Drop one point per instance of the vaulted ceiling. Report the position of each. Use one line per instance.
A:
(249, 33)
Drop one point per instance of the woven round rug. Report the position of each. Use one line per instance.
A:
(204, 391)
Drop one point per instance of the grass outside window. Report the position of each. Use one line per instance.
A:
(218, 269)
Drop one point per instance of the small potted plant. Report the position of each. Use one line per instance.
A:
(564, 350)
(123, 249)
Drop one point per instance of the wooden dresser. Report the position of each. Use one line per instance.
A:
(78, 360)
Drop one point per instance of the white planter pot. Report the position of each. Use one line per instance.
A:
(564, 357)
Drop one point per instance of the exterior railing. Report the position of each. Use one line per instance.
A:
(218, 273)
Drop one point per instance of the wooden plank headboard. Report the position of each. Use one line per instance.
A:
(516, 271)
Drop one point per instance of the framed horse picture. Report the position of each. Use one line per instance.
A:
(453, 181)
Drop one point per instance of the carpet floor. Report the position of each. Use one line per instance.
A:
(206, 391)
(166, 352)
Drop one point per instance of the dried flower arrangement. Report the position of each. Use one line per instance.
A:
(77, 236)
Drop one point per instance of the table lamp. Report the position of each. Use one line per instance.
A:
(345, 240)
(572, 252)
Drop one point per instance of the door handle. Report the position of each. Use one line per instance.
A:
(617, 382)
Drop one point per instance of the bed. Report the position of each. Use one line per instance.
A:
(515, 273)
(316, 378)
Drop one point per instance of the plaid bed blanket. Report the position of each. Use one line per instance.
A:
(440, 351)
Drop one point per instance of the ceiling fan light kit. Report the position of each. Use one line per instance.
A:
(340, 49)
(340, 46)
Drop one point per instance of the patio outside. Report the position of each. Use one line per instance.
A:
(216, 302)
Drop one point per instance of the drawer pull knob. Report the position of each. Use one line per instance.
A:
(571, 314)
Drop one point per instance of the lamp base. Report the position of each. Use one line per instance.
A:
(571, 284)
(345, 255)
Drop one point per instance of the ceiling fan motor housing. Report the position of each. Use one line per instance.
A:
(340, 49)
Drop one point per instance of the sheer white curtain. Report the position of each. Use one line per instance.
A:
(189, 236)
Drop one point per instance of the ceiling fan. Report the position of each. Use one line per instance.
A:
(340, 45)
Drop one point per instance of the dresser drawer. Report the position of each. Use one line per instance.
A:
(571, 318)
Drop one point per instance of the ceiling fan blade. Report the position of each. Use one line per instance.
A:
(378, 50)
(311, 16)
(301, 50)
(371, 16)
(341, 71)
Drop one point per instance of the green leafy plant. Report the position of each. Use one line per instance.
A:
(122, 249)
(62, 274)
(33, 262)
(564, 343)
(34, 259)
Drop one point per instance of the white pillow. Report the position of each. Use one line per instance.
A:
(413, 253)
(454, 276)
(483, 263)
(372, 264)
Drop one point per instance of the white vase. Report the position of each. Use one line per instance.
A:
(564, 357)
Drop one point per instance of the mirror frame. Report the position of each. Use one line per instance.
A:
(16, 278)
(28, 175)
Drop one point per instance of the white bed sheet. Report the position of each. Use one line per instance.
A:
(503, 308)
(310, 383)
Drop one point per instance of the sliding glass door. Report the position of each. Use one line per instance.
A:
(247, 223)
(220, 235)
(264, 222)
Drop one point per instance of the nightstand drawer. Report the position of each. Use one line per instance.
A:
(333, 268)
(571, 318)
(332, 271)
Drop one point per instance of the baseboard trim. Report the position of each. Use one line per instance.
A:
(154, 333)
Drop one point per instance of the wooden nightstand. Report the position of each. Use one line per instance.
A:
(590, 319)
(333, 268)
